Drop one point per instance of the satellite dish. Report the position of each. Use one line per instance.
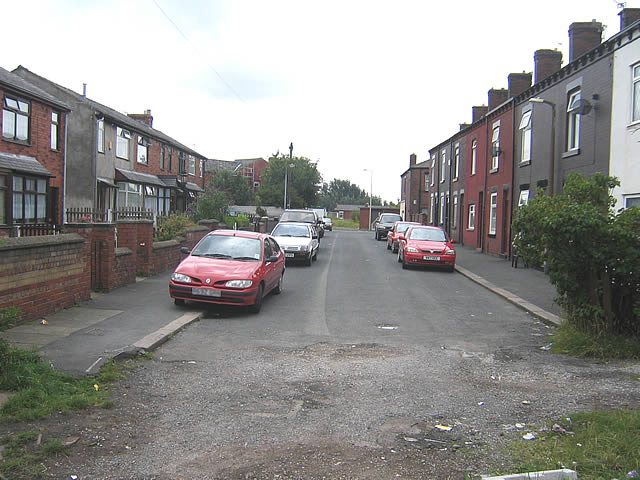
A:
(581, 107)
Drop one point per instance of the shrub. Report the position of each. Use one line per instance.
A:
(592, 254)
(213, 203)
(9, 317)
(172, 227)
(239, 220)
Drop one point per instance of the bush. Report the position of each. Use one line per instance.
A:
(172, 227)
(239, 220)
(592, 254)
(9, 317)
(213, 203)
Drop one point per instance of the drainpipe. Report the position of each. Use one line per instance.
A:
(513, 176)
(484, 186)
(64, 181)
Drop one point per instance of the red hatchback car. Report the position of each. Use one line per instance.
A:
(426, 246)
(396, 232)
(230, 267)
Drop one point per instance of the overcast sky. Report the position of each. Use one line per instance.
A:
(353, 84)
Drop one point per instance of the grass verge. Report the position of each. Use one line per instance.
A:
(338, 223)
(604, 445)
(40, 390)
(569, 340)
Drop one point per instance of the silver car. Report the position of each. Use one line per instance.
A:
(299, 241)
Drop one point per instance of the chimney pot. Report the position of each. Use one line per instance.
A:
(547, 62)
(583, 37)
(628, 16)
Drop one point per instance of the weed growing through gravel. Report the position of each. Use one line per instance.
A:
(23, 455)
(604, 445)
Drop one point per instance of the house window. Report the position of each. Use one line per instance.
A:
(455, 211)
(192, 165)
(456, 162)
(471, 225)
(182, 168)
(55, 125)
(15, 119)
(573, 120)
(341, 214)
(474, 156)
(164, 201)
(443, 166)
(493, 212)
(129, 195)
(143, 147)
(170, 159)
(441, 209)
(635, 116)
(426, 181)
(524, 198)
(495, 148)
(122, 143)
(163, 153)
(431, 208)
(631, 202)
(151, 198)
(525, 128)
(3, 199)
(101, 136)
(29, 199)
(433, 169)
(201, 168)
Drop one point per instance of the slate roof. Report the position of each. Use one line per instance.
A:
(21, 85)
(120, 118)
(22, 163)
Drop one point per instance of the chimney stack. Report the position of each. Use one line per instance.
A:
(628, 16)
(497, 96)
(518, 83)
(583, 37)
(84, 89)
(464, 125)
(547, 62)
(412, 159)
(478, 112)
(145, 117)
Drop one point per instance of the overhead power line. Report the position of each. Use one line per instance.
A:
(196, 49)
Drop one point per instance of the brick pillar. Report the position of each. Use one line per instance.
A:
(145, 247)
(128, 237)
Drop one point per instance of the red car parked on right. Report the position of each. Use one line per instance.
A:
(398, 231)
(426, 246)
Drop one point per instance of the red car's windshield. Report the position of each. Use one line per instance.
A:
(427, 234)
(227, 246)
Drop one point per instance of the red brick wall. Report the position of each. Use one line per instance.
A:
(39, 145)
(42, 275)
(153, 166)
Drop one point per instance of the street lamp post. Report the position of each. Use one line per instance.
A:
(370, 193)
(552, 165)
(286, 174)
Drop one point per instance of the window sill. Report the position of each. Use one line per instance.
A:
(492, 235)
(526, 163)
(571, 153)
(634, 124)
(18, 142)
(493, 170)
(455, 179)
(471, 229)
(122, 158)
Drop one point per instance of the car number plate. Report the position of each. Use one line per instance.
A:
(206, 292)
(429, 257)
(289, 255)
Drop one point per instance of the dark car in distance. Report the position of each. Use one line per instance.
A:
(384, 223)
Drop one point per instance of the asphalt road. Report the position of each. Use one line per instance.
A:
(347, 374)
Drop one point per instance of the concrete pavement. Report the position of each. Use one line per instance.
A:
(80, 339)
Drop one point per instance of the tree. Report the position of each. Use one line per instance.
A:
(592, 254)
(235, 186)
(212, 204)
(304, 181)
(344, 192)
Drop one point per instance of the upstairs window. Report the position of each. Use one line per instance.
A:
(443, 166)
(201, 168)
(3, 199)
(456, 162)
(163, 157)
(182, 168)
(100, 136)
(426, 181)
(635, 115)
(495, 148)
(474, 156)
(433, 170)
(192, 165)
(55, 127)
(15, 119)
(143, 151)
(525, 129)
(573, 120)
(122, 143)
